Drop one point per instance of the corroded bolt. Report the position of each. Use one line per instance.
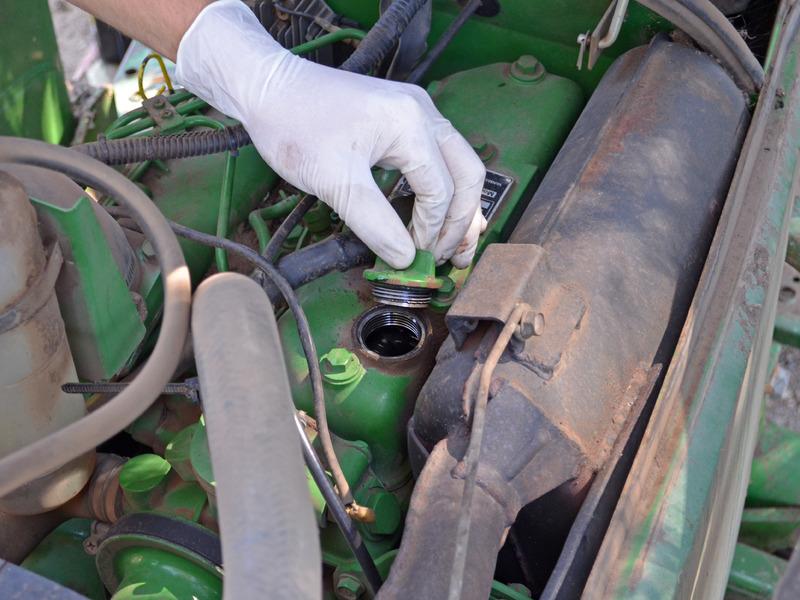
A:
(532, 323)
(166, 113)
(527, 68)
(481, 145)
(349, 587)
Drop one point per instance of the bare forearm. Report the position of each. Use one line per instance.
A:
(159, 24)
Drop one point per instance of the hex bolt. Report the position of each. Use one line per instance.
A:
(159, 101)
(341, 367)
(349, 587)
(527, 69)
(532, 323)
(166, 113)
(482, 147)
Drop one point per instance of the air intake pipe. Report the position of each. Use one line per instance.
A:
(270, 544)
(607, 255)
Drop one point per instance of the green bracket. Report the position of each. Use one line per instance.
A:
(102, 321)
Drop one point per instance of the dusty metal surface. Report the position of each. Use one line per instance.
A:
(674, 530)
(615, 239)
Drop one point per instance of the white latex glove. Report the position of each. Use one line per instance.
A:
(322, 129)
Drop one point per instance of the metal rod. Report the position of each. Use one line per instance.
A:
(616, 24)
(473, 454)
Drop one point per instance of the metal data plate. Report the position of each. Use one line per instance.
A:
(495, 189)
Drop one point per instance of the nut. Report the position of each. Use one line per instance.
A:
(349, 587)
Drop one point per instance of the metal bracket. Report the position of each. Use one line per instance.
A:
(604, 35)
(163, 113)
(491, 294)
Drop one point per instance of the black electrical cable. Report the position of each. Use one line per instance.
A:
(165, 147)
(289, 223)
(383, 36)
(444, 40)
(339, 513)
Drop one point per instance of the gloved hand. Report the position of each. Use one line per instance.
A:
(322, 129)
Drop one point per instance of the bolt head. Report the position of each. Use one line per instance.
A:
(481, 145)
(527, 68)
(341, 367)
(349, 587)
(532, 323)
(166, 113)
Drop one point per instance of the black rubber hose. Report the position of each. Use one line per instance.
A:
(444, 40)
(340, 252)
(383, 36)
(339, 513)
(289, 223)
(270, 540)
(709, 28)
(165, 147)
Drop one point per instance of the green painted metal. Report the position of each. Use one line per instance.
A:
(341, 367)
(189, 205)
(547, 30)
(151, 569)
(754, 573)
(368, 409)
(671, 534)
(777, 454)
(33, 97)
(420, 273)
(101, 319)
(516, 124)
(501, 591)
(771, 529)
(60, 557)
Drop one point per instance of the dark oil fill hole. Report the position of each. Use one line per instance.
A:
(390, 332)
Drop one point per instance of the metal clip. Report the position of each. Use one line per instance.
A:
(604, 35)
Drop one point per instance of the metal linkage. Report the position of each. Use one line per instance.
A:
(473, 454)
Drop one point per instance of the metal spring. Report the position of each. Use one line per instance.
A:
(395, 295)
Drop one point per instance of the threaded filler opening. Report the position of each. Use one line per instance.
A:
(389, 332)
